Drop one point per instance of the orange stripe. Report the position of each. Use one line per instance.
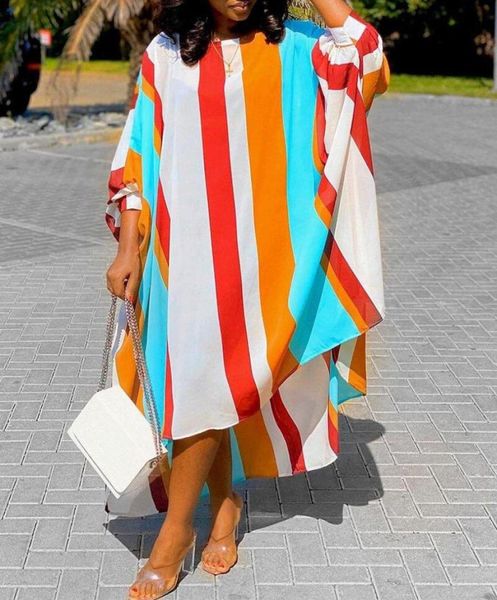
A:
(333, 432)
(375, 83)
(126, 367)
(256, 448)
(161, 260)
(262, 89)
(125, 362)
(148, 89)
(357, 373)
(133, 168)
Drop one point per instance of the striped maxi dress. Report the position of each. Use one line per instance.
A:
(260, 242)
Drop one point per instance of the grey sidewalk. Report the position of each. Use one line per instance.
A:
(409, 511)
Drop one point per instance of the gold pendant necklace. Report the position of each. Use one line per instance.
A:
(228, 68)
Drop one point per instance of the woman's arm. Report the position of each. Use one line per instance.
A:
(333, 12)
(126, 265)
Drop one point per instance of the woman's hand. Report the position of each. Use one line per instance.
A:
(124, 274)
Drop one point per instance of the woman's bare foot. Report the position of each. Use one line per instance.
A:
(160, 573)
(220, 553)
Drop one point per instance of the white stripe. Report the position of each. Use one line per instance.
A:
(305, 396)
(341, 50)
(278, 441)
(372, 61)
(247, 243)
(354, 27)
(113, 210)
(333, 107)
(201, 395)
(121, 151)
(355, 226)
(337, 145)
(345, 355)
(118, 340)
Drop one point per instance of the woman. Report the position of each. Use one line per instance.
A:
(243, 200)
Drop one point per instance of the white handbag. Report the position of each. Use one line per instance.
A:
(122, 444)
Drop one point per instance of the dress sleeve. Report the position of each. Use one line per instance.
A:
(356, 44)
(125, 179)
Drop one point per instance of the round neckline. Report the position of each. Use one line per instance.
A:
(237, 40)
(229, 41)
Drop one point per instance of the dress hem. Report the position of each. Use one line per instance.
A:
(307, 359)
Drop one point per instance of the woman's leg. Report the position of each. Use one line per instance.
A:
(220, 474)
(225, 508)
(191, 463)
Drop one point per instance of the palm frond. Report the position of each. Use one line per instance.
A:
(37, 14)
(10, 56)
(85, 31)
(120, 12)
(303, 9)
(29, 16)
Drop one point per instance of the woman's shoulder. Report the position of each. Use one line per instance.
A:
(162, 44)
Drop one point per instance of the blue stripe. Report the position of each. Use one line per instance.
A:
(322, 321)
(153, 292)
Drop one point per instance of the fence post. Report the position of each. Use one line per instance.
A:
(495, 47)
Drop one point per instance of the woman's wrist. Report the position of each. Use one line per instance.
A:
(129, 239)
(128, 250)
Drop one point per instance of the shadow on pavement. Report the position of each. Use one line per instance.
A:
(287, 504)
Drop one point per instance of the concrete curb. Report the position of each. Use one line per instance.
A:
(111, 134)
(107, 134)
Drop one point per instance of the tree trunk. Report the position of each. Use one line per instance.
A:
(138, 34)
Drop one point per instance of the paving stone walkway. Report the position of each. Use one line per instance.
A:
(409, 510)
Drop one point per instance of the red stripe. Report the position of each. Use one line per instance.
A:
(163, 222)
(340, 77)
(320, 125)
(148, 73)
(221, 205)
(168, 405)
(148, 69)
(346, 76)
(115, 182)
(359, 131)
(333, 436)
(336, 76)
(290, 432)
(351, 284)
(327, 193)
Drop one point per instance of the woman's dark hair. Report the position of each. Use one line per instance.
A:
(192, 20)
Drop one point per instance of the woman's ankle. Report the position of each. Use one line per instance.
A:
(175, 532)
(218, 502)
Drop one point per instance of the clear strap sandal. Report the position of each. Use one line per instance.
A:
(153, 583)
(227, 552)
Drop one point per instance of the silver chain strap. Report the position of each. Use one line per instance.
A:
(141, 367)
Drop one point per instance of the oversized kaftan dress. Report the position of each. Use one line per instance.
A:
(260, 239)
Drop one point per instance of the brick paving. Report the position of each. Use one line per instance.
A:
(409, 510)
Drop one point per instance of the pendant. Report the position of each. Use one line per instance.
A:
(229, 70)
